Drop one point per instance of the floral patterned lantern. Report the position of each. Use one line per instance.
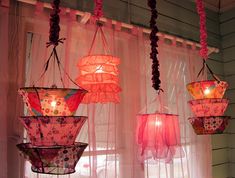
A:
(52, 101)
(158, 136)
(207, 89)
(209, 125)
(98, 74)
(52, 130)
(57, 160)
(208, 107)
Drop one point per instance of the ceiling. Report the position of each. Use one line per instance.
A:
(220, 5)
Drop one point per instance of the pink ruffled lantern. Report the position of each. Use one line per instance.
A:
(58, 160)
(158, 136)
(52, 130)
(98, 74)
(52, 101)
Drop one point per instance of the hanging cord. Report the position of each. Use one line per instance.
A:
(201, 72)
(203, 32)
(54, 41)
(154, 52)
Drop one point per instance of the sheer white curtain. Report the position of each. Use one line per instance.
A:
(110, 129)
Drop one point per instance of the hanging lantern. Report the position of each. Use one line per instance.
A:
(158, 136)
(52, 130)
(57, 160)
(52, 101)
(208, 107)
(209, 125)
(98, 74)
(207, 89)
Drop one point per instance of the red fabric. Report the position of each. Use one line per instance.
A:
(207, 89)
(52, 101)
(57, 160)
(209, 125)
(98, 74)
(203, 32)
(158, 136)
(54, 130)
(98, 8)
(208, 107)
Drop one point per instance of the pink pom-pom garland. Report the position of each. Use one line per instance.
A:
(203, 32)
(98, 11)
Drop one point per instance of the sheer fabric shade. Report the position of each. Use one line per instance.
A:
(111, 128)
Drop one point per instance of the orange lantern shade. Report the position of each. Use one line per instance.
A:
(209, 125)
(208, 107)
(52, 130)
(52, 101)
(207, 89)
(158, 136)
(98, 74)
(58, 160)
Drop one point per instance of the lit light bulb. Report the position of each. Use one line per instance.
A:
(158, 123)
(53, 104)
(207, 91)
(99, 69)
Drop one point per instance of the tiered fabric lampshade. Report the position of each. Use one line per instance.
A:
(52, 130)
(208, 106)
(52, 101)
(158, 136)
(98, 74)
(54, 159)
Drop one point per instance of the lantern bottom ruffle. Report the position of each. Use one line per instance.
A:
(101, 97)
(58, 160)
(209, 125)
(52, 130)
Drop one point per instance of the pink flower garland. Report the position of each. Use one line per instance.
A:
(203, 33)
(98, 11)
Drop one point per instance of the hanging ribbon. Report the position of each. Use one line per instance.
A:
(154, 52)
(98, 11)
(203, 32)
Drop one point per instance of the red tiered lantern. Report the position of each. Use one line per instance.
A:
(98, 74)
(57, 160)
(208, 106)
(158, 136)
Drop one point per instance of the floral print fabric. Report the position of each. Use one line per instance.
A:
(53, 160)
(55, 130)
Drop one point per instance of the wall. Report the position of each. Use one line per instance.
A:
(227, 26)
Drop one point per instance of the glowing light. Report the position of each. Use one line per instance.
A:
(158, 123)
(53, 104)
(207, 91)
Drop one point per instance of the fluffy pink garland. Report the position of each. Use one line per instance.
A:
(203, 33)
(98, 11)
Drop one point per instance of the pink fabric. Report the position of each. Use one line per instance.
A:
(158, 136)
(209, 125)
(207, 89)
(203, 32)
(208, 107)
(54, 130)
(53, 160)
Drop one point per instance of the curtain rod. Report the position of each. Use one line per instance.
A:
(86, 16)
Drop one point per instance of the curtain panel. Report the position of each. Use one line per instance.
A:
(110, 129)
